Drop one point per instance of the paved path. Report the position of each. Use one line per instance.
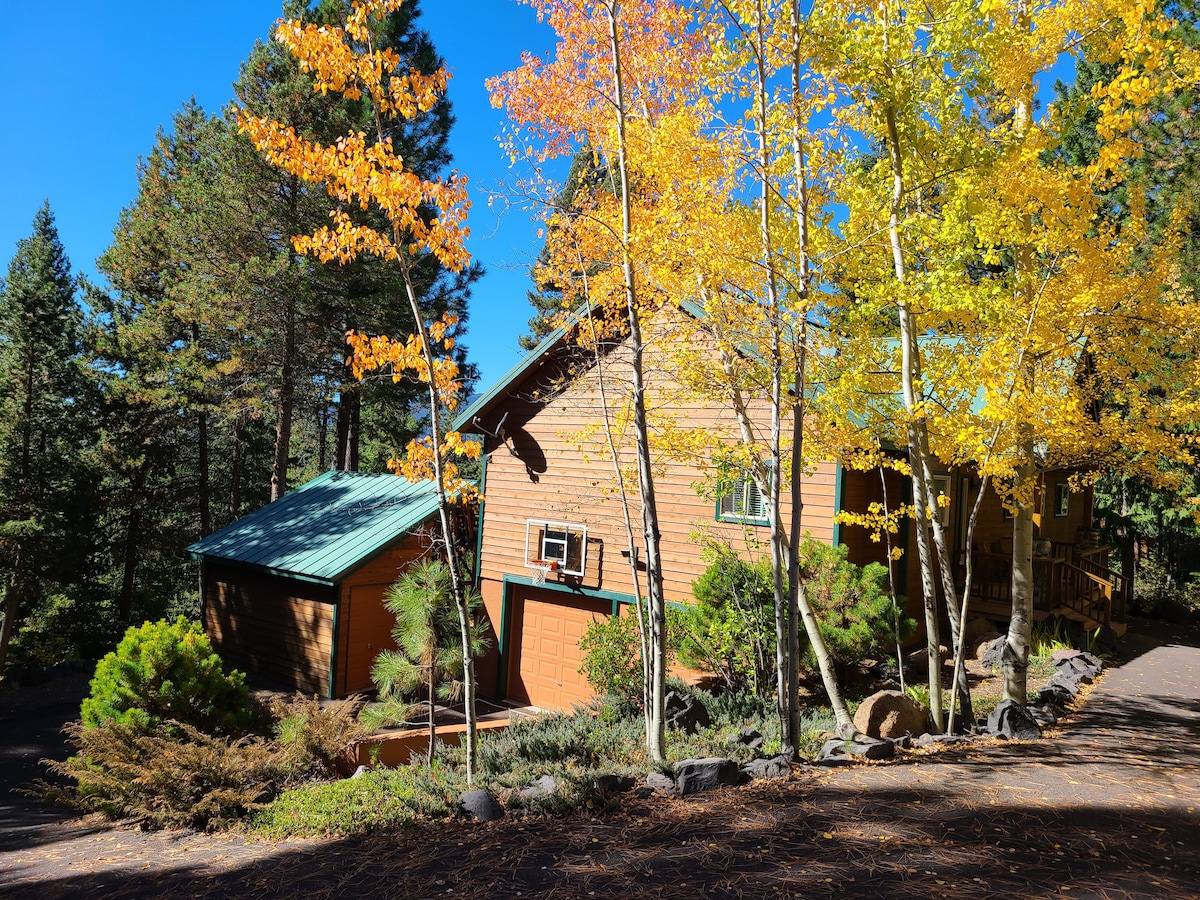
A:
(1106, 809)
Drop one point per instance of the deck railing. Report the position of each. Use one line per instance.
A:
(1068, 580)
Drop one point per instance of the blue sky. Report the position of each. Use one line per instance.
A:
(84, 86)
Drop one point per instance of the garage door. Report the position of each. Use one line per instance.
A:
(544, 666)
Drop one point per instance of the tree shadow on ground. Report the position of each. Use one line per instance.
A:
(807, 838)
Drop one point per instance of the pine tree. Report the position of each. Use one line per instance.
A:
(41, 394)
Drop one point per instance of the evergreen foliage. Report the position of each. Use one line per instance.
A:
(429, 654)
(730, 630)
(853, 603)
(45, 404)
(167, 672)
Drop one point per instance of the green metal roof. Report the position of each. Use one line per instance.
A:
(325, 528)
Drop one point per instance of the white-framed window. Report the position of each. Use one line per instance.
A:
(560, 545)
(742, 502)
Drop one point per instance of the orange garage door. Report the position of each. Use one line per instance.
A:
(544, 666)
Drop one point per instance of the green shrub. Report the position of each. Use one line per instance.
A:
(853, 604)
(167, 671)
(168, 776)
(612, 659)
(379, 799)
(730, 630)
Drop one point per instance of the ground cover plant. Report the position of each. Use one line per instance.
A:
(168, 738)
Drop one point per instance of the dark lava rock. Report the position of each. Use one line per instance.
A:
(685, 712)
(695, 775)
(1014, 722)
(482, 806)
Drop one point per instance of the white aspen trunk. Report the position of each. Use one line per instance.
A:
(772, 488)
(622, 492)
(655, 711)
(917, 435)
(1015, 658)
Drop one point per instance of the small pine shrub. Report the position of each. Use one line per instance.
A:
(169, 775)
(853, 605)
(314, 735)
(730, 630)
(167, 671)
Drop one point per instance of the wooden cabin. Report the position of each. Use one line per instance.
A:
(294, 591)
(552, 554)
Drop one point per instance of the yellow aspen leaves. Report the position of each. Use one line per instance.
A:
(363, 173)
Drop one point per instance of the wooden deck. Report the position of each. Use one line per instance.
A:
(1069, 582)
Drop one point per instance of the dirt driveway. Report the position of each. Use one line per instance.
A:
(1106, 808)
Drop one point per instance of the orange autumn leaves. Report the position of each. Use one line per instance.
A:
(368, 175)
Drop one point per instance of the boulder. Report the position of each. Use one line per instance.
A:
(775, 767)
(1065, 681)
(748, 737)
(482, 806)
(918, 660)
(1046, 713)
(359, 772)
(546, 784)
(929, 740)
(983, 643)
(1058, 694)
(994, 655)
(1014, 722)
(838, 752)
(976, 630)
(659, 782)
(695, 775)
(890, 714)
(685, 712)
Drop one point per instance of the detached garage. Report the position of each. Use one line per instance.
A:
(294, 591)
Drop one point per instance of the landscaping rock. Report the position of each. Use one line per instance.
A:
(685, 712)
(659, 782)
(928, 740)
(775, 767)
(869, 748)
(1054, 693)
(608, 785)
(1076, 662)
(838, 752)
(546, 784)
(1046, 714)
(993, 656)
(359, 772)
(833, 753)
(748, 737)
(890, 714)
(917, 661)
(1014, 722)
(984, 643)
(693, 776)
(1068, 682)
(482, 806)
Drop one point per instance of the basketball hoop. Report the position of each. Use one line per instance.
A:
(539, 569)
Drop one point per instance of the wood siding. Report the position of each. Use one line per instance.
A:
(364, 623)
(553, 464)
(279, 628)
